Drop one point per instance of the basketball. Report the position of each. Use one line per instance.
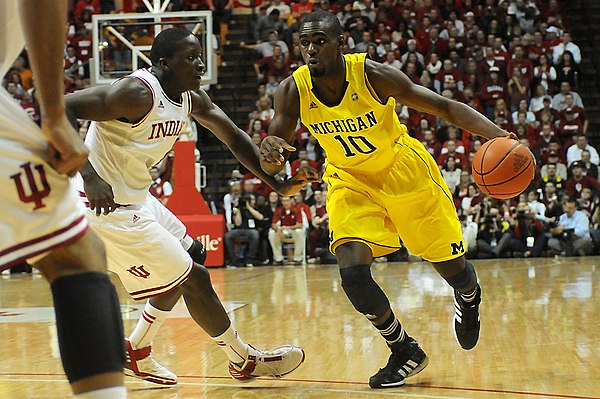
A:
(503, 168)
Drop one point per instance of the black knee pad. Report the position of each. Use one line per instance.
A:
(197, 252)
(465, 280)
(364, 293)
(88, 320)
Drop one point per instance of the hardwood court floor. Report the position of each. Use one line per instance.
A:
(540, 335)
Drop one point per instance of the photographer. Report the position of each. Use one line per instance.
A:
(245, 219)
(528, 233)
(493, 238)
(572, 234)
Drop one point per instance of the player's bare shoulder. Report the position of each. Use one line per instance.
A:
(287, 97)
(385, 79)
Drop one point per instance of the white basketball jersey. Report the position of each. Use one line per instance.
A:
(123, 152)
(12, 38)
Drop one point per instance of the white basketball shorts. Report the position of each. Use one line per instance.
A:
(146, 245)
(40, 208)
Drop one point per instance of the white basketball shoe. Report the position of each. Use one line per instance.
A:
(140, 364)
(274, 363)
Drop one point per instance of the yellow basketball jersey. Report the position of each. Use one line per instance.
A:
(360, 132)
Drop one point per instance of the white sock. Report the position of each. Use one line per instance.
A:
(235, 349)
(106, 393)
(147, 326)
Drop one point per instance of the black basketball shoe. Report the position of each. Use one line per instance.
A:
(466, 320)
(407, 359)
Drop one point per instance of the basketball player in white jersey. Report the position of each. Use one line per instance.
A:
(42, 219)
(137, 120)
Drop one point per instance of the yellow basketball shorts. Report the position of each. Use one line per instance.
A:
(408, 200)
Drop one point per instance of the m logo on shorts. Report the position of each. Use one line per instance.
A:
(139, 271)
(458, 248)
(32, 193)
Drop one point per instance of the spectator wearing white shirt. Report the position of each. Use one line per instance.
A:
(392, 61)
(537, 207)
(284, 9)
(566, 45)
(559, 101)
(574, 151)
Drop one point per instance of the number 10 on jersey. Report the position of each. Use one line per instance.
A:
(355, 143)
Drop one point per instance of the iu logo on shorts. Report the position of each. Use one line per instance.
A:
(30, 192)
(139, 271)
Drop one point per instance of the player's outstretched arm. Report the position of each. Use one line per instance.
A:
(275, 149)
(241, 145)
(45, 43)
(128, 99)
(390, 82)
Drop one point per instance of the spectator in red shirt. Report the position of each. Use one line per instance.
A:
(492, 91)
(462, 161)
(578, 112)
(302, 154)
(445, 74)
(287, 224)
(520, 61)
(569, 127)
(518, 88)
(537, 47)
(579, 181)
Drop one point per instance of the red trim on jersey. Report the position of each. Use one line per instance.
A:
(148, 85)
(43, 238)
(150, 292)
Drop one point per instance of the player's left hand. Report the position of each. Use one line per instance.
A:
(271, 150)
(294, 185)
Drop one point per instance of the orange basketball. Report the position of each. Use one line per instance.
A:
(503, 168)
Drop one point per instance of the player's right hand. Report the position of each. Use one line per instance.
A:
(66, 151)
(100, 195)
(271, 150)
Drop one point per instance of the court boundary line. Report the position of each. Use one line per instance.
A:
(303, 380)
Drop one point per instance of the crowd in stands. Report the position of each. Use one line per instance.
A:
(514, 61)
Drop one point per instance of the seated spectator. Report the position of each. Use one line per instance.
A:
(555, 148)
(412, 49)
(392, 61)
(268, 211)
(159, 188)
(304, 208)
(578, 112)
(275, 66)
(545, 135)
(537, 207)
(537, 102)
(565, 46)
(579, 181)
(461, 160)
(517, 88)
(493, 237)
(529, 236)
(553, 168)
(230, 200)
(246, 220)
(545, 74)
(559, 101)
(524, 108)
(282, 7)
(473, 198)
(434, 65)
(319, 235)
(551, 175)
(590, 169)
(302, 155)
(451, 174)
(574, 152)
(586, 202)
(547, 113)
(267, 24)
(492, 91)
(571, 237)
(287, 224)
(548, 196)
(267, 48)
(568, 128)
(469, 232)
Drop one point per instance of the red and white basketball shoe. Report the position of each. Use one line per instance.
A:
(140, 364)
(274, 363)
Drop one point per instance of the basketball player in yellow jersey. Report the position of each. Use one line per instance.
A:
(382, 183)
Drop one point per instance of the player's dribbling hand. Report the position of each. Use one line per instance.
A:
(66, 151)
(271, 150)
(302, 178)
